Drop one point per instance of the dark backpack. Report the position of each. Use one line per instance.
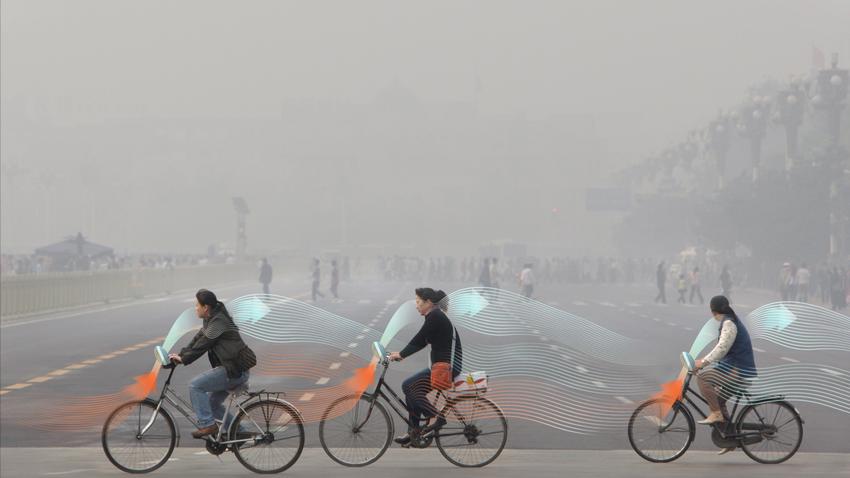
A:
(246, 359)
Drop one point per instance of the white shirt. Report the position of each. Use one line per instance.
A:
(727, 338)
(803, 276)
(526, 277)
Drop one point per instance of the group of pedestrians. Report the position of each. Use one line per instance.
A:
(829, 285)
(688, 284)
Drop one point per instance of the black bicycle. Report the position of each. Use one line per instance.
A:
(266, 435)
(356, 430)
(767, 428)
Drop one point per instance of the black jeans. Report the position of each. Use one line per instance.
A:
(416, 389)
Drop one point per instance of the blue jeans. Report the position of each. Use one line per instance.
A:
(208, 391)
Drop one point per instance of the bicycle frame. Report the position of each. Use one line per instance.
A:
(178, 402)
(378, 392)
(724, 431)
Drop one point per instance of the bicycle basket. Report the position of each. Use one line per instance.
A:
(470, 382)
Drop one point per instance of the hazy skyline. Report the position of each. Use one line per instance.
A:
(137, 96)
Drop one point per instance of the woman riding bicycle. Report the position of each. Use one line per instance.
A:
(440, 333)
(229, 357)
(729, 365)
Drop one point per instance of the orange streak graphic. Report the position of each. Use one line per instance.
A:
(671, 392)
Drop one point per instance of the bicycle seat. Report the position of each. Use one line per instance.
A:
(238, 390)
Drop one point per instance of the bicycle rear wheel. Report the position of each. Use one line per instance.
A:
(781, 430)
(355, 430)
(475, 432)
(125, 445)
(276, 435)
(657, 438)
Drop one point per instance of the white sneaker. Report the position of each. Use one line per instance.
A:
(726, 450)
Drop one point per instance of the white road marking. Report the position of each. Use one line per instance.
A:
(323, 381)
(345, 354)
(758, 349)
(656, 319)
(578, 302)
(352, 345)
(366, 329)
(307, 397)
(833, 372)
(607, 304)
(364, 301)
(632, 304)
(70, 472)
(18, 386)
(566, 357)
(335, 366)
(599, 384)
(671, 324)
(581, 369)
(360, 337)
(789, 359)
(689, 329)
(624, 400)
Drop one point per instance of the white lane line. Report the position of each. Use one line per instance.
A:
(18, 386)
(632, 304)
(789, 359)
(578, 302)
(624, 400)
(366, 329)
(598, 384)
(360, 337)
(323, 381)
(364, 301)
(79, 470)
(307, 397)
(566, 357)
(201, 453)
(689, 329)
(535, 331)
(581, 369)
(544, 339)
(656, 319)
(671, 324)
(553, 347)
(335, 366)
(352, 345)
(345, 354)
(833, 372)
(607, 304)
(758, 349)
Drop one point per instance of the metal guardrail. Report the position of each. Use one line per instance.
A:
(21, 295)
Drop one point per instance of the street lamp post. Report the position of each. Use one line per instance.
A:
(753, 125)
(831, 92)
(789, 113)
(718, 139)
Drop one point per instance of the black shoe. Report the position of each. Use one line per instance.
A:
(432, 428)
(407, 440)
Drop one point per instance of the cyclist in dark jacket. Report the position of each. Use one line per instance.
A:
(218, 338)
(439, 332)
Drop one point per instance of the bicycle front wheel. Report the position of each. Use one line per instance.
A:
(355, 430)
(779, 428)
(273, 435)
(128, 448)
(661, 434)
(475, 432)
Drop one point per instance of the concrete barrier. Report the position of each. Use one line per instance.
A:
(29, 294)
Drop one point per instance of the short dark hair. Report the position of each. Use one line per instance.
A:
(437, 297)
